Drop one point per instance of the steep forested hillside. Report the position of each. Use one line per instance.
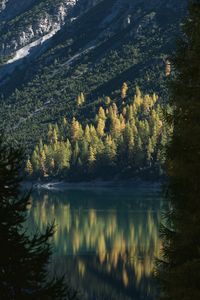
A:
(122, 141)
(102, 44)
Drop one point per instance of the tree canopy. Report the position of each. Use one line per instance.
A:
(122, 140)
(179, 271)
(24, 258)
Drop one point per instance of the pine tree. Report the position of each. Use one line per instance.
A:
(24, 258)
(91, 156)
(179, 272)
(150, 151)
(110, 149)
(93, 135)
(101, 114)
(64, 121)
(80, 99)
(124, 90)
(87, 135)
(116, 128)
(100, 127)
(130, 128)
(35, 160)
(29, 167)
(122, 122)
(129, 142)
(146, 104)
(107, 101)
(64, 129)
(101, 118)
(140, 155)
(55, 135)
(50, 133)
(130, 112)
(76, 130)
(43, 163)
(75, 153)
(115, 110)
(138, 100)
(84, 150)
(64, 155)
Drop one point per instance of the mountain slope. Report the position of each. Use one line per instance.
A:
(103, 45)
(23, 22)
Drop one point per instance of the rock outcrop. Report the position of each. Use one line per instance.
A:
(28, 27)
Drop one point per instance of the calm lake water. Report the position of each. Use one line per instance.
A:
(106, 239)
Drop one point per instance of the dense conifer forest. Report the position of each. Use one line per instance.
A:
(114, 41)
(122, 140)
(59, 110)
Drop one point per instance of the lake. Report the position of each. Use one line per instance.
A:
(106, 239)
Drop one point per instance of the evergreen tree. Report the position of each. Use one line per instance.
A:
(124, 90)
(64, 121)
(100, 127)
(82, 96)
(107, 100)
(35, 160)
(50, 133)
(110, 149)
(115, 127)
(150, 150)
(55, 135)
(23, 259)
(94, 136)
(64, 155)
(84, 150)
(129, 143)
(91, 156)
(76, 130)
(130, 128)
(29, 167)
(101, 120)
(87, 136)
(138, 98)
(179, 272)
(43, 162)
(75, 153)
(101, 114)
(80, 99)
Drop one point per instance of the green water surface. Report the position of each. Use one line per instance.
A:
(106, 240)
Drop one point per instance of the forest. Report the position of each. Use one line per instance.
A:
(43, 90)
(121, 136)
(123, 140)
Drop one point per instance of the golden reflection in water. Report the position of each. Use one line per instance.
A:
(81, 268)
(125, 243)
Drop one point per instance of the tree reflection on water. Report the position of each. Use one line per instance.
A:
(108, 252)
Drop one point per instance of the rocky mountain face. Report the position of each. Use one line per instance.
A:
(24, 21)
(51, 50)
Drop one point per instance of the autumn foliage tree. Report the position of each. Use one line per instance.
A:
(121, 140)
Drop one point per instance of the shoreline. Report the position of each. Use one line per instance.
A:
(62, 185)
